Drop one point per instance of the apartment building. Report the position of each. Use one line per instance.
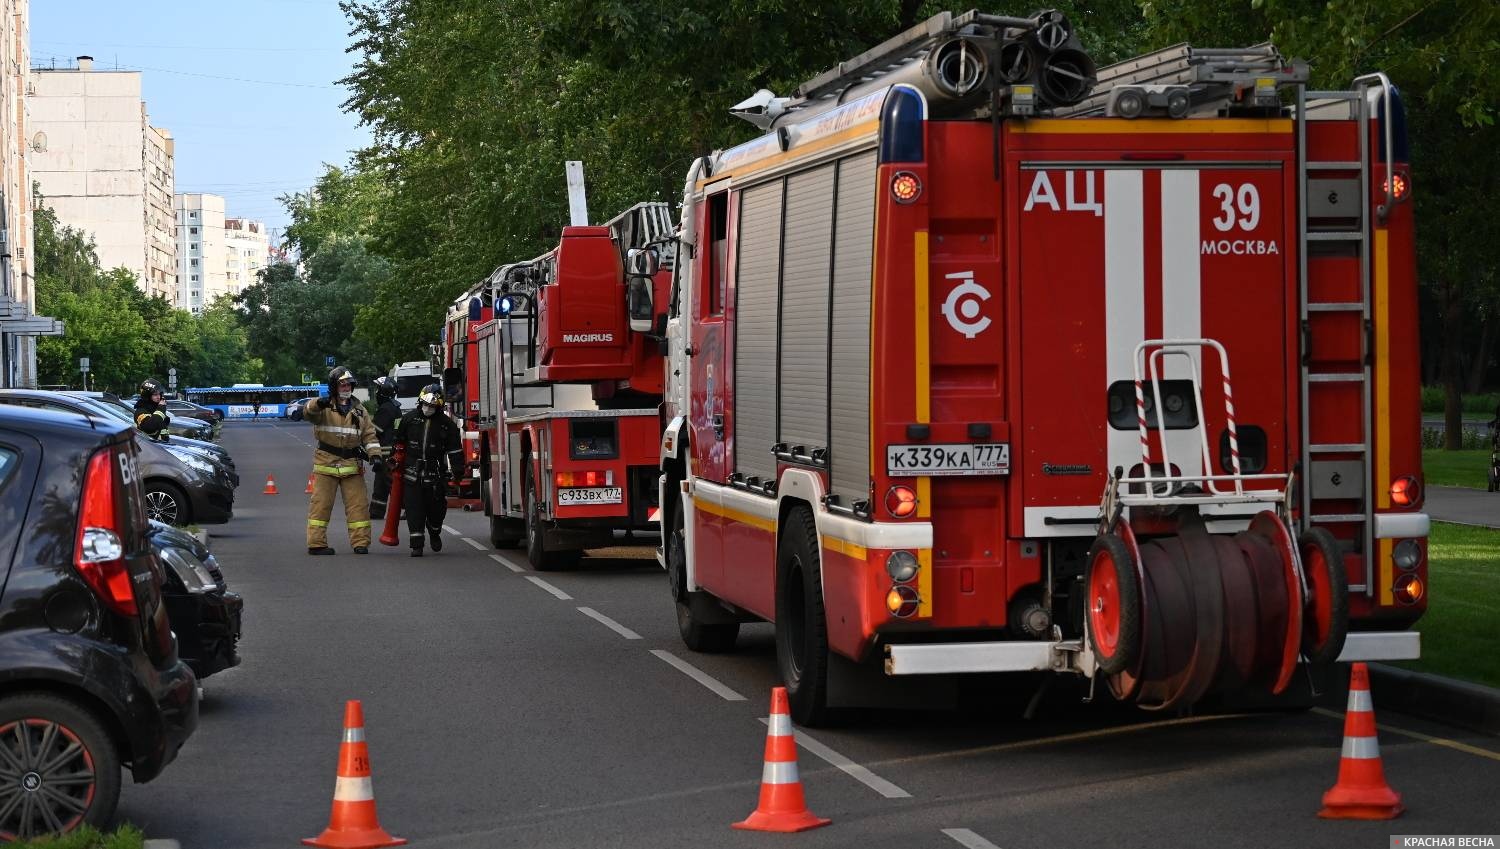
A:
(247, 250)
(201, 256)
(106, 170)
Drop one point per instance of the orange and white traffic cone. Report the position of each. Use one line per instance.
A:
(782, 806)
(270, 486)
(1361, 792)
(308, 491)
(352, 824)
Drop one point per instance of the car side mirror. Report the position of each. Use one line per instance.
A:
(642, 262)
(638, 304)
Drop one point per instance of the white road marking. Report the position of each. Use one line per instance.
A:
(609, 623)
(549, 588)
(506, 563)
(451, 530)
(698, 675)
(854, 770)
(1417, 735)
(969, 839)
(477, 544)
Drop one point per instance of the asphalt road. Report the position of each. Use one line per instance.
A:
(508, 708)
(1463, 505)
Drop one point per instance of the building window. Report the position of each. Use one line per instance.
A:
(193, 263)
(193, 231)
(195, 278)
(192, 215)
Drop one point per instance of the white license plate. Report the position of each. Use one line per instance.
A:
(991, 458)
(590, 495)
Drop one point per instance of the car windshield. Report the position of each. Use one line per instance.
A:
(408, 386)
(105, 408)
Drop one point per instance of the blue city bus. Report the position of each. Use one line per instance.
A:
(238, 402)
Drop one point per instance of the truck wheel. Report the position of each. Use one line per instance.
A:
(66, 771)
(801, 629)
(537, 554)
(697, 635)
(504, 532)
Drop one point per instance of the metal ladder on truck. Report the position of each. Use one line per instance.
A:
(1214, 77)
(1332, 222)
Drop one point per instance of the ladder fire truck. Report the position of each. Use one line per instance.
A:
(984, 360)
(567, 395)
(461, 386)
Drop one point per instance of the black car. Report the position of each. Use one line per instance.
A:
(205, 615)
(90, 679)
(181, 424)
(118, 409)
(187, 409)
(182, 486)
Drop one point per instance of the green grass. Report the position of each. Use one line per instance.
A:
(125, 837)
(1456, 468)
(1459, 636)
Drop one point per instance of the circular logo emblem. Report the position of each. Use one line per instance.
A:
(31, 781)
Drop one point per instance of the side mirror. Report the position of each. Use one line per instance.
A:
(638, 304)
(642, 262)
(453, 376)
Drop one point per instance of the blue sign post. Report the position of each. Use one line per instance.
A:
(328, 361)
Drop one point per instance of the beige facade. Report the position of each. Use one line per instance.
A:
(247, 249)
(201, 258)
(19, 324)
(105, 170)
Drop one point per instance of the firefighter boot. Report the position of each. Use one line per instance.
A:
(435, 534)
(416, 545)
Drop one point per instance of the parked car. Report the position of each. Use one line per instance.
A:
(205, 615)
(182, 486)
(118, 409)
(179, 425)
(179, 407)
(92, 678)
(295, 409)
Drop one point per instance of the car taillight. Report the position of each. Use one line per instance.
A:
(99, 552)
(1408, 589)
(606, 478)
(1405, 491)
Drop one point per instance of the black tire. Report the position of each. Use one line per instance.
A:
(801, 626)
(44, 736)
(503, 531)
(165, 502)
(1116, 646)
(537, 554)
(697, 635)
(1324, 562)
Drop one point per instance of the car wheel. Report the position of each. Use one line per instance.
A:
(166, 503)
(60, 769)
(696, 634)
(801, 629)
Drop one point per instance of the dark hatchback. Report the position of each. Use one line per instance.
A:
(205, 615)
(90, 678)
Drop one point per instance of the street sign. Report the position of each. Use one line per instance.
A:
(328, 361)
(83, 364)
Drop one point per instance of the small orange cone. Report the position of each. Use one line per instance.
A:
(352, 824)
(270, 486)
(782, 806)
(1361, 792)
(308, 491)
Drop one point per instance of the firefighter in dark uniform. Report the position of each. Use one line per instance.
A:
(345, 436)
(434, 453)
(151, 414)
(387, 414)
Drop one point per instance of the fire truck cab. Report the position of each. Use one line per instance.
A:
(983, 359)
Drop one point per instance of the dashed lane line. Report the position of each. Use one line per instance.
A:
(1417, 735)
(549, 588)
(698, 675)
(609, 623)
(506, 563)
(476, 543)
(859, 773)
(968, 839)
(452, 530)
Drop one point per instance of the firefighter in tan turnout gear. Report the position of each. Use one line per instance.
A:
(346, 436)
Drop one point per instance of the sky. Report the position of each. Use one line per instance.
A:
(247, 88)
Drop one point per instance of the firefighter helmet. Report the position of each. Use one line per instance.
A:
(385, 388)
(339, 374)
(432, 395)
(150, 386)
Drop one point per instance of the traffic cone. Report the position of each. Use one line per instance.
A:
(308, 491)
(270, 486)
(782, 806)
(1361, 792)
(352, 824)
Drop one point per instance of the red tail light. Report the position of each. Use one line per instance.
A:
(1405, 491)
(99, 552)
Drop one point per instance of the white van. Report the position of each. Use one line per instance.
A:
(409, 379)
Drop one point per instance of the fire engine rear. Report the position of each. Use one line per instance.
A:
(567, 394)
(983, 359)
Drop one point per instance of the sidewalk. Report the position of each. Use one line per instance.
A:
(1463, 506)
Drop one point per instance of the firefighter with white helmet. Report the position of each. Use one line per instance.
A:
(346, 436)
(434, 453)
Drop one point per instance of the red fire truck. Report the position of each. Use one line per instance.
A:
(983, 359)
(568, 394)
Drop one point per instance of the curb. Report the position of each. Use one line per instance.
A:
(1446, 700)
